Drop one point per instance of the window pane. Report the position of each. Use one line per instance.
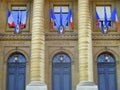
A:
(102, 58)
(21, 58)
(18, 7)
(63, 20)
(100, 11)
(66, 58)
(65, 9)
(19, 16)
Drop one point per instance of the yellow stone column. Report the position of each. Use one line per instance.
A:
(84, 39)
(38, 42)
(85, 47)
(37, 48)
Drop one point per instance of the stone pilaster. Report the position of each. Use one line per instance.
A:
(85, 47)
(37, 47)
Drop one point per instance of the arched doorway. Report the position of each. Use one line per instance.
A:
(16, 72)
(61, 72)
(106, 72)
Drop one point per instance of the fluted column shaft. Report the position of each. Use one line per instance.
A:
(38, 42)
(84, 41)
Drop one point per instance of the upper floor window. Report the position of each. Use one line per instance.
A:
(17, 18)
(61, 18)
(19, 15)
(65, 10)
(101, 10)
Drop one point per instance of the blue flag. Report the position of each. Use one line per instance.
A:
(24, 15)
(11, 21)
(97, 20)
(17, 28)
(61, 27)
(52, 14)
(53, 19)
(61, 24)
(69, 18)
(105, 16)
(114, 17)
(105, 25)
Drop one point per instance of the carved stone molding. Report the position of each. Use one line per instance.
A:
(15, 36)
(106, 36)
(105, 43)
(61, 36)
(73, 36)
(28, 36)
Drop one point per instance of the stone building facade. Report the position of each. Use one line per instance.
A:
(52, 61)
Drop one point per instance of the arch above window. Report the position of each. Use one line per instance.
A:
(61, 57)
(106, 57)
(17, 57)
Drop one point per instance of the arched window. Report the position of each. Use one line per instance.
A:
(16, 72)
(106, 68)
(106, 58)
(61, 57)
(16, 57)
(61, 72)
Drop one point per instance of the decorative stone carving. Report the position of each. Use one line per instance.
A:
(63, 36)
(106, 36)
(72, 36)
(15, 36)
(75, 36)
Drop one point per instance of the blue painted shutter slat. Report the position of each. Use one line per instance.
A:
(107, 77)
(102, 81)
(21, 77)
(11, 82)
(56, 82)
(56, 76)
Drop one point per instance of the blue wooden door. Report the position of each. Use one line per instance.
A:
(61, 73)
(106, 73)
(16, 72)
